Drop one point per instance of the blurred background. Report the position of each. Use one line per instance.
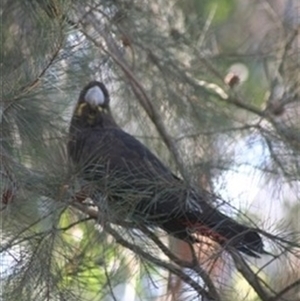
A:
(211, 87)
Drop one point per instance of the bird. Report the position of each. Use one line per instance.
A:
(134, 184)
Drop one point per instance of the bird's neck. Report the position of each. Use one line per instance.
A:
(87, 117)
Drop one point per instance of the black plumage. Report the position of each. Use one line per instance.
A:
(134, 183)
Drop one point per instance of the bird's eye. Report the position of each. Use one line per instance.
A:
(95, 96)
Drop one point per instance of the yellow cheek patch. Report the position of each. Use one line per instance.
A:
(80, 108)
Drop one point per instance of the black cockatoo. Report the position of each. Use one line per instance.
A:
(134, 184)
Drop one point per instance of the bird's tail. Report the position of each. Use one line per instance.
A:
(228, 232)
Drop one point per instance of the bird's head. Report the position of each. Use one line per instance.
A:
(93, 99)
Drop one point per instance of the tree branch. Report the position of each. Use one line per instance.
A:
(248, 274)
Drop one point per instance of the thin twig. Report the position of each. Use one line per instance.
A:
(288, 288)
(250, 276)
(194, 265)
(161, 263)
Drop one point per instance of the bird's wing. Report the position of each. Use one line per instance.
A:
(122, 165)
(125, 164)
(113, 150)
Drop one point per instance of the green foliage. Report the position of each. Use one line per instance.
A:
(222, 9)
